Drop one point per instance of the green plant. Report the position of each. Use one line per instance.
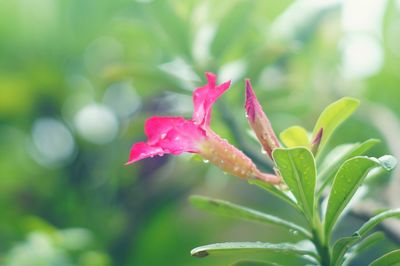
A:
(309, 182)
(296, 180)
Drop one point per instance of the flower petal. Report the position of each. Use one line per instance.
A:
(204, 97)
(174, 134)
(143, 150)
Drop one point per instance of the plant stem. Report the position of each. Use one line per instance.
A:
(322, 249)
(319, 241)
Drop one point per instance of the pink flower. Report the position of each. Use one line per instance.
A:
(175, 135)
(259, 121)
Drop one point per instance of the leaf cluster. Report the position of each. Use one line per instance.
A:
(310, 183)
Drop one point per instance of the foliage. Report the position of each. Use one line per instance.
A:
(298, 167)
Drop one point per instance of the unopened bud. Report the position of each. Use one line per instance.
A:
(260, 122)
(317, 141)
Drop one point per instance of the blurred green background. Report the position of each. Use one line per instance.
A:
(78, 78)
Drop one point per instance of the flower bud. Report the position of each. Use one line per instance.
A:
(316, 141)
(259, 121)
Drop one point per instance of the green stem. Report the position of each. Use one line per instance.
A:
(320, 242)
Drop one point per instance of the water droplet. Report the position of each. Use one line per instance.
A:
(246, 115)
(263, 151)
(206, 161)
(163, 135)
(293, 232)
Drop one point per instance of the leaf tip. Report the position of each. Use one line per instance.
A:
(196, 252)
(356, 102)
(388, 162)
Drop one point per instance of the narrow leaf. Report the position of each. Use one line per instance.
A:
(294, 136)
(369, 241)
(249, 247)
(232, 210)
(333, 115)
(377, 219)
(340, 248)
(347, 180)
(365, 244)
(389, 259)
(328, 173)
(342, 245)
(297, 167)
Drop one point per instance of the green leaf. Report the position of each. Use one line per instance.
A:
(333, 115)
(232, 210)
(340, 248)
(254, 263)
(342, 245)
(250, 247)
(377, 219)
(275, 191)
(347, 180)
(369, 241)
(295, 136)
(391, 258)
(297, 167)
(365, 244)
(328, 173)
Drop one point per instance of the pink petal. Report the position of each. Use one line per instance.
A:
(204, 98)
(142, 150)
(172, 135)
